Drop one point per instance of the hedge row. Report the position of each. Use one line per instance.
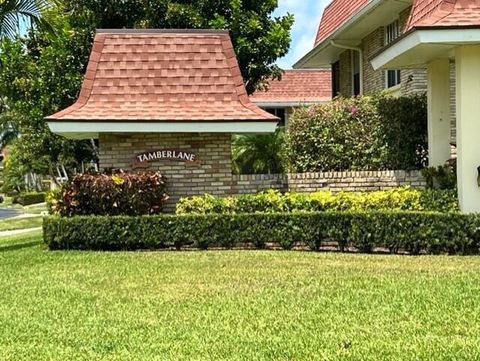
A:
(413, 232)
(26, 199)
(398, 199)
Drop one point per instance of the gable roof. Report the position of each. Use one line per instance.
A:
(297, 87)
(335, 15)
(162, 76)
(444, 13)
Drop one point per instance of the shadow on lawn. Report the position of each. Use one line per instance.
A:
(15, 247)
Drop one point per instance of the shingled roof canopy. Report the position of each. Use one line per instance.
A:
(162, 81)
(296, 88)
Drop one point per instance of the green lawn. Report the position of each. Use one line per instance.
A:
(20, 223)
(235, 305)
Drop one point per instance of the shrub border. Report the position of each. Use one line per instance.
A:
(411, 232)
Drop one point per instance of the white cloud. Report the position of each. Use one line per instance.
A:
(307, 17)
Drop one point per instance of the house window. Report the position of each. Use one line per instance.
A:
(335, 79)
(355, 73)
(392, 31)
(279, 112)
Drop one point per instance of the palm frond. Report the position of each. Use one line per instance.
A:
(12, 12)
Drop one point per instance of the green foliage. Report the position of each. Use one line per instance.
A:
(258, 154)
(441, 177)
(14, 12)
(414, 232)
(51, 198)
(363, 133)
(272, 201)
(26, 199)
(119, 193)
(258, 38)
(39, 75)
(13, 172)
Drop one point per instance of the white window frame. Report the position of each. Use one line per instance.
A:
(392, 31)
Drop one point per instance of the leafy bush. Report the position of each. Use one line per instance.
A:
(441, 177)
(26, 199)
(119, 193)
(272, 201)
(363, 133)
(413, 232)
(259, 153)
(51, 198)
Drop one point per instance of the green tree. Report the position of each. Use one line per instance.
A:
(14, 12)
(39, 75)
(258, 153)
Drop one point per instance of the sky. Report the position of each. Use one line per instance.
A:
(307, 17)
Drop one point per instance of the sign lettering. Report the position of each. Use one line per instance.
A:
(165, 154)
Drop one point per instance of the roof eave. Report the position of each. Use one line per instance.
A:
(286, 104)
(92, 129)
(326, 43)
(423, 44)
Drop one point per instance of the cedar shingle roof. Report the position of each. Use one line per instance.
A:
(444, 13)
(168, 75)
(297, 86)
(336, 14)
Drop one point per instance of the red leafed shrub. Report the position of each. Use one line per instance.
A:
(119, 193)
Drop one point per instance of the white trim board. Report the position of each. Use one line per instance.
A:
(88, 130)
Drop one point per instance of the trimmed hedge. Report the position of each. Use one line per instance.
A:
(26, 199)
(413, 232)
(272, 201)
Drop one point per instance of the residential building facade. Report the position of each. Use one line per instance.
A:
(350, 33)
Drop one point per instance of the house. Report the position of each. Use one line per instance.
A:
(419, 44)
(168, 100)
(350, 32)
(296, 88)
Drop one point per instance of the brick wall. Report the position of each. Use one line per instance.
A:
(332, 181)
(373, 80)
(212, 175)
(412, 80)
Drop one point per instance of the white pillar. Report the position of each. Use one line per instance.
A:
(468, 126)
(438, 75)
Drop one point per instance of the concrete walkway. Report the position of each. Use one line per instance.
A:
(9, 212)
(15, 232)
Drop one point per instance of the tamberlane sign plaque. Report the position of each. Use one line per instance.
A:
(143, 160)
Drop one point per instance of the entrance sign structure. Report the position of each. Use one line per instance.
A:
(179, 90)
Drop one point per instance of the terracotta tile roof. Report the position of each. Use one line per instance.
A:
(169, 75)
(444, 13)
(297, 86)
(335, 15)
